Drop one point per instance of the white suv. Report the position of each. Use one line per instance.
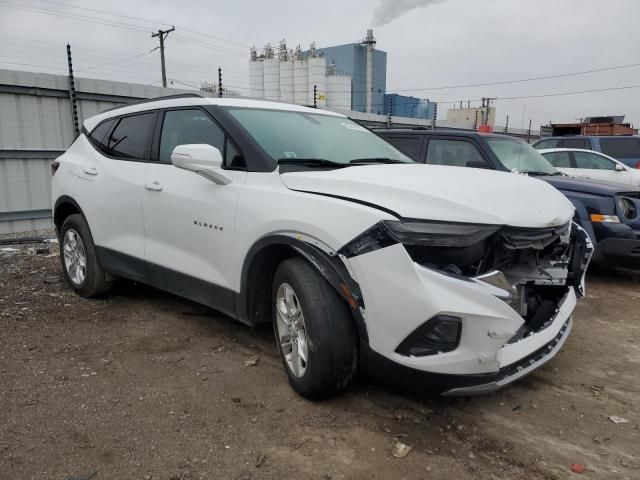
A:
(462, 280)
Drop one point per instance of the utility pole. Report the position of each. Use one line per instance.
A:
(529, 132)
(506, 125)
(488, 103)
(162, 35)
(219, 82)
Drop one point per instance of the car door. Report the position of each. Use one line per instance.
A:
(188, 219)
(561, 160)
(597, 167)
(111, 193)
(456, 152)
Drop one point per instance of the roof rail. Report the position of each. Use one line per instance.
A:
(156, 99)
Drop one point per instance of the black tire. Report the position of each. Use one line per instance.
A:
(95, 282)
(330, 331)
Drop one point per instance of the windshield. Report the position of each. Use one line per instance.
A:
(302, 136)
(517, 155)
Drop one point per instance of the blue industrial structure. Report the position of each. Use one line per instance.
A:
(412, 107)
(351, 59)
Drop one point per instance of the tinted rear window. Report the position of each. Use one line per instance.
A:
(131, 136)
(620, 147)
(98, 136)
(551, 143)
(577, 143)
(408, 145)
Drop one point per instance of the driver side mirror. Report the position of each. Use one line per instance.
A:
(202, 159)
(619, 168)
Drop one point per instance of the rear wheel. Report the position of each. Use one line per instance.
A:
(79, 260)
(314, 331)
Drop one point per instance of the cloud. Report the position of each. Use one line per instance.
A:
(389, 10)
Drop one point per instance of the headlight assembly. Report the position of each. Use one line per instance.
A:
(417, 233)
(438, 234)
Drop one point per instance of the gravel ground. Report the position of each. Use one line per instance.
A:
(144, 385)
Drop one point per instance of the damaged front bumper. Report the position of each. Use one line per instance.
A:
(512, 321)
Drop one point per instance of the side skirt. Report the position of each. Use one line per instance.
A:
(183, 285)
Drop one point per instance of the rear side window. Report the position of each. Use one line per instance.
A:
(583, 143)
(550, 143)
(620, 147)
(457, 153)
(593, 161)
(407, 145)
(558, 159)
(99, 134)
(130, 139)
(182, 127)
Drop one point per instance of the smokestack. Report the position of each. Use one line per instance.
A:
(369, 43)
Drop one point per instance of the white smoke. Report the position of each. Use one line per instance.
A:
(389, 10)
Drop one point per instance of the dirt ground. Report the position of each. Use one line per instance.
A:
(144, 385)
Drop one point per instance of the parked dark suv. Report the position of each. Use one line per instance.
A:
(610, 213)
(624, 148)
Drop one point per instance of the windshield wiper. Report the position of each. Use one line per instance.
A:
(375, 160)
(311, 162)
(533, 172)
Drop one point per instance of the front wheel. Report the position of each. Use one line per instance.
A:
(314, 331)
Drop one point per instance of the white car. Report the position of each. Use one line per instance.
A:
(580, 163)
(360, 257)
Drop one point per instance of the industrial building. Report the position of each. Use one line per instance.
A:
(471, 117)
(351, 77)
(297, 77)
(408, 107)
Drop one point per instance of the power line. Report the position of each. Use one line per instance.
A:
(570, 93)
(505, 82)
(130, 17)
(116, 61)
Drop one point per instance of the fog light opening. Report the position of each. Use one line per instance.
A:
(437, 335)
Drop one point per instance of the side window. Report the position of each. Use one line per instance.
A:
(407, 145)
(593, 161)
(98, 135)
(558, 159)
(130, 138)
(583, 143)
(457, 153)
(181, 127)
(620, 147)
(550, 143)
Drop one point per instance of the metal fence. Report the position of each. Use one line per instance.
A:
(36, 126)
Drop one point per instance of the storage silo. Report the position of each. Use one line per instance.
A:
(256, 76)
(271, 75)
(317, 77)
(287, 92)
(339, 92)
(300, 78)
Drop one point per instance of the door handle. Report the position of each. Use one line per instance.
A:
(90, 170)
(154, 186)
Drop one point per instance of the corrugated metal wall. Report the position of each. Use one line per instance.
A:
(36, 127)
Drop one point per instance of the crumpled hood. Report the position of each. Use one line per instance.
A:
(433, 192)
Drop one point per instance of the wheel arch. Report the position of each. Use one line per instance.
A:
(65, 206)
(253, 304)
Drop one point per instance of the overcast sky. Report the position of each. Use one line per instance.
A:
(429, 44)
